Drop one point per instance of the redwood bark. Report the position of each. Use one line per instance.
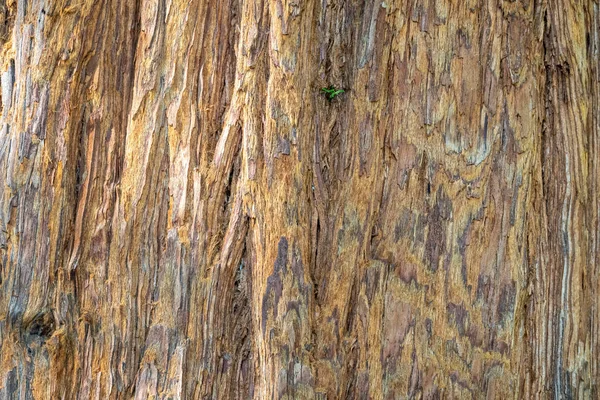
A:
(183, 214)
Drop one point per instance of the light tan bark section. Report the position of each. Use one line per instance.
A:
(184, 215)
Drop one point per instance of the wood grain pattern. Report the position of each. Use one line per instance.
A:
(184, 215)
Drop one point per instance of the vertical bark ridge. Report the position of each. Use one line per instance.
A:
(569, 139)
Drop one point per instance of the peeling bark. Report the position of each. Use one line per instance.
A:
(183, 214)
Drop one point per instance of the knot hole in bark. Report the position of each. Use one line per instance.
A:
(39, 329)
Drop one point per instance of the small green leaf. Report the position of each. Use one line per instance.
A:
(332, 92)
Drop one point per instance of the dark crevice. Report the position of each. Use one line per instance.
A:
(352, 304)
(80, 159)
(38, 330)
(313, 272)
(228, 191)
(548, 113)
(241, 339)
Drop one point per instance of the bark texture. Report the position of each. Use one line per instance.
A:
(184, 215)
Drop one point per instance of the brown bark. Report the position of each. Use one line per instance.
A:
(184, 215)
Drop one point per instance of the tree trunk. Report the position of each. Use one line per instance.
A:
(184, 214)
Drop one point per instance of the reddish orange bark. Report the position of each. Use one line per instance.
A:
(183, 213)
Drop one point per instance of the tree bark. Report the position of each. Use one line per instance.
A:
(183, 214)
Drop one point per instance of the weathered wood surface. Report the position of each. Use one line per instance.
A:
(184, 215)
